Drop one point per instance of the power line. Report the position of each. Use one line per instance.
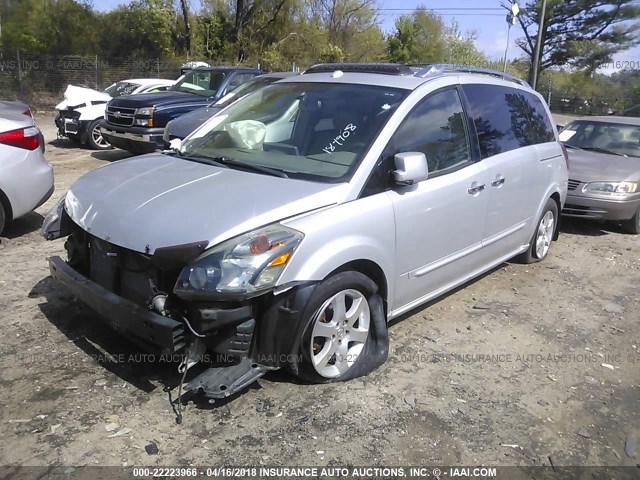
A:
(495, 9)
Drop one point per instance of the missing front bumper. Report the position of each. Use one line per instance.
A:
(149, 330)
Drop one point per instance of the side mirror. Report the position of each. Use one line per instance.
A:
(411, 167)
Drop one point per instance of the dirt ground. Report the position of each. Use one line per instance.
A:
(525, 366)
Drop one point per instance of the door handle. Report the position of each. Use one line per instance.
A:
(475, 188)
(498, 181)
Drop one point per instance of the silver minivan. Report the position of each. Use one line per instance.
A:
(289, 229)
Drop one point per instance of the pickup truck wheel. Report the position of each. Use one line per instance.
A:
(543, 235)
(95, 140)
(633, 224)
(347, 333)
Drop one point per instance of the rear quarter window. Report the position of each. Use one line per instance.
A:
(507, 118)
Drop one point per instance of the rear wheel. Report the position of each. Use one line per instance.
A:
(543, 235)
(633, 224)
(95, 140)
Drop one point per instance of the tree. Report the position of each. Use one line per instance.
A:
(48, 27)
(579, 33)
(142, 29)
(418, 38)
(423, 37)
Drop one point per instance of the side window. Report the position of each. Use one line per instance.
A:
(507, 118)
(437, 128)
(238, 80)
(541, 128)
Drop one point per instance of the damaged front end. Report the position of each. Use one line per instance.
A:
(185, 299)
(80, 107)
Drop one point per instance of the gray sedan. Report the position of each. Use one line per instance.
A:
(604, 169)
(187, 123)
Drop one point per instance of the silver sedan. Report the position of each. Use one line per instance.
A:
(26, 179)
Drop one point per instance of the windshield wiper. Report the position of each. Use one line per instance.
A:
(216, 162)
(603, 150)
(255, 168)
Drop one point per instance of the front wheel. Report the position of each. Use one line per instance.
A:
(95, 140)
(543, 235)
(346, 336)
(633, 224)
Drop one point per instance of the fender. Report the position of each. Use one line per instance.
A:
(367, 232)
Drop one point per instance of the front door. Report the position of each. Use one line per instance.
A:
(439, 221)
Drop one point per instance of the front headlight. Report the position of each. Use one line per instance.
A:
(145, 111)
(613, 188)
(144, 122)
(244, 266)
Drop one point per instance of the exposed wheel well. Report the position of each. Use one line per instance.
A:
(6, 205)
(371, 270)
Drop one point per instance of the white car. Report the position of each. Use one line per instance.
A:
(26, 179)
(80, 112)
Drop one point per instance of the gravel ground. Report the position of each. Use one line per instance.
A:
(525, 366)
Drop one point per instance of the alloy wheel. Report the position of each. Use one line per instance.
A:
(545, 234)
(340, 331)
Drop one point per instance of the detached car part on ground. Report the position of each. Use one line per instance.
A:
(136, 123)
(604, 170)
(79, 114)
(288, 230)
(26, 179)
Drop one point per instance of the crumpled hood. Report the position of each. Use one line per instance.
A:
(587, 166)
(155, 201)
(79, 96)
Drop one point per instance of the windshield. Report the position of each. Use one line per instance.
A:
(615, 138)
(201, 82)
(304, 130)
(243, 90)
(121, 88)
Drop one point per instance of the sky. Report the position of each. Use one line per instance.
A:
(484, 17)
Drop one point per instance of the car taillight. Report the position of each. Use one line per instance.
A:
(565, 152)
(28, 138)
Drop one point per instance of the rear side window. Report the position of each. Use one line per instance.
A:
(507, 118)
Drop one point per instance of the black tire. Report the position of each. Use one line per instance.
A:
(633, 224)
(95, 140)
(364, 356)
(534, 253)
(2, 218)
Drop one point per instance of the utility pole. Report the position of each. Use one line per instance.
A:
(536, 57)
(512, 17)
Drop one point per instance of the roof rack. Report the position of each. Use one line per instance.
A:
(429, 69)
(381, 68)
